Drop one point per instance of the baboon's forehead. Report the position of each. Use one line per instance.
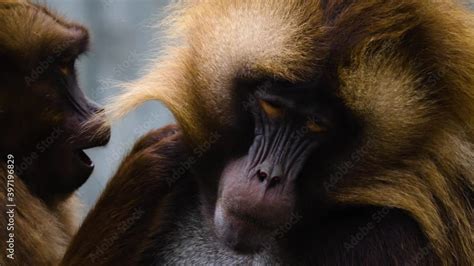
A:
(45, 31)
(235, 36)
(297, 41)
(291, 40)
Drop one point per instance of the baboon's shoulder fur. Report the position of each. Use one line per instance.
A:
(41, 231)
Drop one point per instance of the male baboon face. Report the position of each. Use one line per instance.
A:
(293, 124)
(312, 100)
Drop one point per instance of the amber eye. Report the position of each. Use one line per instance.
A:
(270, 109)
(315, 127)
(66, 67)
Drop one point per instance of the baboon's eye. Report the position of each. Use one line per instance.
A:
(66, 67)
(272, 110)
(315, 126)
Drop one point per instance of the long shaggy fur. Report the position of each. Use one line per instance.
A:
(42, 229)
(30, 31)
(405, 68)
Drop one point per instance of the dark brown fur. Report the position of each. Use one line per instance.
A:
(42, 231)
(164, 146)
(404, 68)
(38, 126)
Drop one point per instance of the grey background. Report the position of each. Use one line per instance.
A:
(123, 43)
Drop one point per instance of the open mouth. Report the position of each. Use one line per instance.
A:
(68, 166)
(87, 143)
(84, 158)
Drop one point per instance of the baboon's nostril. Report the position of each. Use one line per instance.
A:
(261, 175)
(274, 181)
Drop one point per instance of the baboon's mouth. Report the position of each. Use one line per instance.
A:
(80, 146)
(72, 166)
(84, 158)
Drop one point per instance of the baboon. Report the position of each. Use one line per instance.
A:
(309, 132)
(42, 110)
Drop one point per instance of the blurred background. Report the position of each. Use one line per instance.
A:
(123, 42)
